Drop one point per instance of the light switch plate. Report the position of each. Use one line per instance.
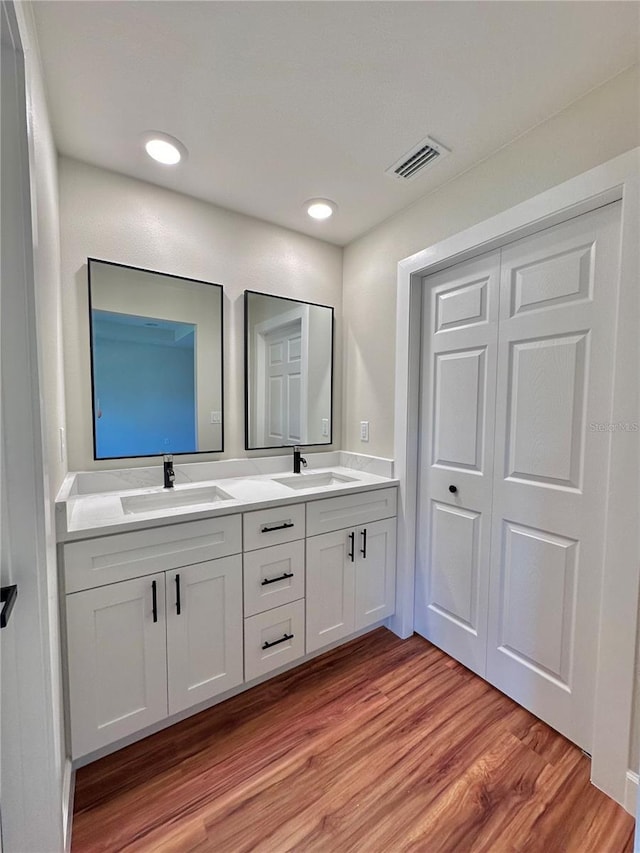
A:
(364, 430)
(325, 427)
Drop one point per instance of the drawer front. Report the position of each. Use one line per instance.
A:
(273, 526)
(273, 576)
(96, 562)
(350, 510)
(267, 629)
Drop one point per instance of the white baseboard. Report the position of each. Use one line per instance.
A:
(631, 792)
(68, 792)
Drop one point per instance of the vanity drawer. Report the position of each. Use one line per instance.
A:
(351, 510)
(273, 576)
(97, 562)
(266, 527)
(269, 629)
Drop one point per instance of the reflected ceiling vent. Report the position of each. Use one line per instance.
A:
(425, 152)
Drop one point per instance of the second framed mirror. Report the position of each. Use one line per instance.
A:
(288, 372)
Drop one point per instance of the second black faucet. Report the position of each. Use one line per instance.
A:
(298, 460)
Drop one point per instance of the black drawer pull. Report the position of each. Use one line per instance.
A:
(154, 597)
(276, 642)
(275, 580)
(284, 526)
(178, 604)
(8, 595)
(363, 550)
(350, 554)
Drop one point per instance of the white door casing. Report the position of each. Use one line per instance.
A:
(555, 363)
(460, 323)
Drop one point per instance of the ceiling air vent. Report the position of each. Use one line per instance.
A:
(425, 152)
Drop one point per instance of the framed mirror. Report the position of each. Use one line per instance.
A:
(156, 362)
(288, 372)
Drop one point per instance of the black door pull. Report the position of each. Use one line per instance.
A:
(363, 550)
(178, 605)
(282, 577)
(453, 489)
(266, 529)
(8, 595)
(284, 639)
(154, 598)
(352, 537)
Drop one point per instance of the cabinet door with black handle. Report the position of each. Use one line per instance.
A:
(204, 631)
(117, 661)
(375, 580)
(331, 562)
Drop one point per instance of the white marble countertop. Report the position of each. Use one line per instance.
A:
(82, 511)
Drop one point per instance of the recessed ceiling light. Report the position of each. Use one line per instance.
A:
(163, 148)
(320, 208)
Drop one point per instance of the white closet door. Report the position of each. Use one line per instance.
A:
(460, 332)
(555, 360)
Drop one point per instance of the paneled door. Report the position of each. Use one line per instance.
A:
(117, 660)
(204, 631)
(555, 367)
(460, 337)
(331, 587)
(510, 563)
(284, 385)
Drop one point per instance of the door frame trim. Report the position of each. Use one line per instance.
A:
(617, 179)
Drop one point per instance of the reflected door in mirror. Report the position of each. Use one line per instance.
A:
(288, 371)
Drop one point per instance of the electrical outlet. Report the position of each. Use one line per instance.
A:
(216, 417)
(325, 427)
(364, 430)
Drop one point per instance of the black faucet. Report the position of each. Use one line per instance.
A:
(297, 460)
(169, 473)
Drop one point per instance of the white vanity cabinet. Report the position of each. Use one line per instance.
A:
(165, 619)
(147, 647)
(351, 571)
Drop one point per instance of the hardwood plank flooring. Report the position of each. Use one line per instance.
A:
(380, 746)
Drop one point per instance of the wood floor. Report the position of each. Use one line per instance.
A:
(380, 745)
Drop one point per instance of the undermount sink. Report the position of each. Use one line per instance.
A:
(171, 499)
(311, 481)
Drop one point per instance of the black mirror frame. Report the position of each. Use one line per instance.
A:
(93, 389)
(246, 368)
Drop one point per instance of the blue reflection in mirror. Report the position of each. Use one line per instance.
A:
(144, 371)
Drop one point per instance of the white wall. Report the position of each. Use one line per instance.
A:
(594, 129)
(109, 216)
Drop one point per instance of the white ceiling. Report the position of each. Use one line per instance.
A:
(278, 102)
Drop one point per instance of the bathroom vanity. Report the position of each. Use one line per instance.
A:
(176, 599)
